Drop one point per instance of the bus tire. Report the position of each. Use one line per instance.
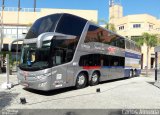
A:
(94, 79)
(135, 73)
(81, 81)
(131, 73)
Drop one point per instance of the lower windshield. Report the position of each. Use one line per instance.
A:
(53, 52)
(33, 58)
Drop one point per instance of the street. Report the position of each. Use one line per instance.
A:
(133, 93)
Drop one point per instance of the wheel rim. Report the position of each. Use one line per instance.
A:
(135, 73)
(95, 78)
(130, 73)
(81, 80)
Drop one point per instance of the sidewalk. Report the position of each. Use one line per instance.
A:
(12, 79)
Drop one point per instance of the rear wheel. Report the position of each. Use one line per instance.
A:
(81, 81)
(94, 79)
(135, 73)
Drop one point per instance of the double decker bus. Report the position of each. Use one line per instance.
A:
(63, 50)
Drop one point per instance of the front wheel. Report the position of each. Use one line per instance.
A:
(81, 81)
(94, 79)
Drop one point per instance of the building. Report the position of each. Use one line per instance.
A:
(132, 26)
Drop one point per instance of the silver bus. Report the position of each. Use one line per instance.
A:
(63, 50)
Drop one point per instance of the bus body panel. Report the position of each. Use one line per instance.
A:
(32, 79)
(65, 75)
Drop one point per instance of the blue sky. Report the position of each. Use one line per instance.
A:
(129, 6)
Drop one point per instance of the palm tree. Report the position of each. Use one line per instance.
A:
(108, 26)
(151, 40)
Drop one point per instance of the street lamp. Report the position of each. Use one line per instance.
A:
(17, 31)
(34, 5)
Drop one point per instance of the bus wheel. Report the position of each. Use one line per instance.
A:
(81, 81)
(94, 79)
(135, 73)
(131, 73)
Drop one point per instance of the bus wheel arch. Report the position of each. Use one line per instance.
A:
(95, 78)
(81, 79)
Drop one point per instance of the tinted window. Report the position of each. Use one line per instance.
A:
(97, 34)
(62, 50)
(93, 34)
(120, 43)
(101, 60)
(127, 44)
(71, 25)
(116, 61)
(90, 60)
(45, 24)
(106, 60)
(132, 46)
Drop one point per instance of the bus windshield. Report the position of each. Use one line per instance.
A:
(33, 58)
(53, 52)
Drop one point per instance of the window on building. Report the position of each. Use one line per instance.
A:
(136, 25)
(121, 27)
(150, 26)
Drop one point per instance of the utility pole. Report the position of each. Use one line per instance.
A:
(34, 5)
(111, 3)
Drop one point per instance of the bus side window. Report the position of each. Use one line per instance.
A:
(128, 44)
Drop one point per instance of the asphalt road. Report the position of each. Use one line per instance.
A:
(133, 93)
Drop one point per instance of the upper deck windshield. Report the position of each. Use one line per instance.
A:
(60, 23)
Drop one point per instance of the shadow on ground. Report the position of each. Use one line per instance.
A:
(63, 90)
(6, 98)
(51, 92)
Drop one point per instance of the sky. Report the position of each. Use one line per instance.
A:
(151, 7)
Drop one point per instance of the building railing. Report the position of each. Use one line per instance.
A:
(15, 9)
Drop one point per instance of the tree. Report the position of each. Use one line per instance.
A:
(108, 26)
(151, 40)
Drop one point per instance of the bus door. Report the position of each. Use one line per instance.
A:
(59, 71)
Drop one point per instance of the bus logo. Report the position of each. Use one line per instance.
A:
(111, 50)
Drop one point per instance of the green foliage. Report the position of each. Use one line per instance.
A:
(139, 41)
(151, 40)
(108, 26)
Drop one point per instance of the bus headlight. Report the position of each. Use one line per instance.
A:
(44, 76)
